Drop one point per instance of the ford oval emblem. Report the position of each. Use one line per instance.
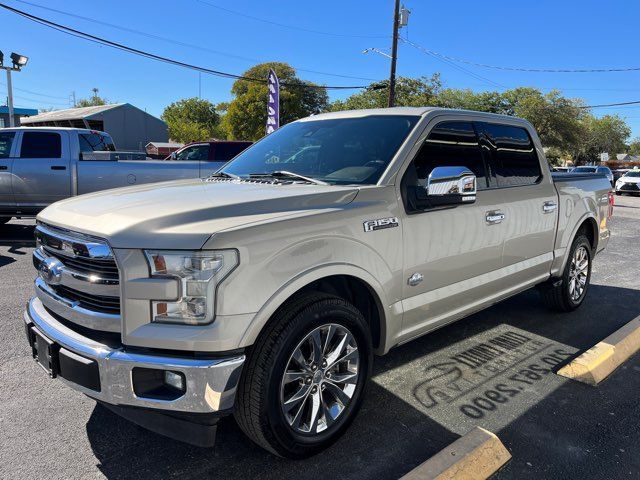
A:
(50, 270)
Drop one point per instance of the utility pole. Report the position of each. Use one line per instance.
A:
(394, 54)
(12, 122)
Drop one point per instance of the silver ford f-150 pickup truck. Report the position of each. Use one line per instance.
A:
(266, 289)
(41, 165)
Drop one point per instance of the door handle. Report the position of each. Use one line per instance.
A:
(549, 207)
(495, 217)
(58, 167)
(4, 167)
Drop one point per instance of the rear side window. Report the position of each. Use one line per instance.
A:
(513, 158)
(6, 140)
(451, 144)
(194, 152)
(94, 142)
(41, 145)
(223, 152)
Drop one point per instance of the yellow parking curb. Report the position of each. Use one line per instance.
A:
(477, 455)
(600, 361)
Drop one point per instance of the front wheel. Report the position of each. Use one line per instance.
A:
(305, 377)
(569, 292)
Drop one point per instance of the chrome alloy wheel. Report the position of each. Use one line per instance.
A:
(320, 379)
(578, 273)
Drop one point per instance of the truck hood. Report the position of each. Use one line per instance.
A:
(184, 214)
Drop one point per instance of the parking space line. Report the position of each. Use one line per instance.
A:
(475, 456)
(597, 363)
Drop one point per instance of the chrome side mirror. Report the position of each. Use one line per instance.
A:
(451, 186)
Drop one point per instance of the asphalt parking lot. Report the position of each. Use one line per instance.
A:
(424, 395)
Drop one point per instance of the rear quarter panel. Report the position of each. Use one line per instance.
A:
(580, 199)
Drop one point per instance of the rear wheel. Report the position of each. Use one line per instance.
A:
(569, 291)
(305, 377)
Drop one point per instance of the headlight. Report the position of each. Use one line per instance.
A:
(198, 273)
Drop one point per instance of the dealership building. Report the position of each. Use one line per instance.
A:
(130, 127)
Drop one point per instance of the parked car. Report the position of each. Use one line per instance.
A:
(629, 183)
(562, 169)
(595, 169)
(266, 289)
(214, 151)
(619, 172)
(41, 165)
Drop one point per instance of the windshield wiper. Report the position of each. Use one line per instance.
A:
(287, 174)
(224, 175)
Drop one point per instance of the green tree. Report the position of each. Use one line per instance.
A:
(634, 147)
(192, 120)
(92, 101)
(246, 114)
(410, 92)
(605, 134)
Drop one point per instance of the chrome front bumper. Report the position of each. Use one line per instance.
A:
(210, 383)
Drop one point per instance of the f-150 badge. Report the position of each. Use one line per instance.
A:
(380, 224)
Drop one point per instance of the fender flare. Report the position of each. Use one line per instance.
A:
(586, 217)
(303, 279)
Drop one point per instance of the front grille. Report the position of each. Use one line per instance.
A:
(107, 267)
(79, 278)
(97, 303)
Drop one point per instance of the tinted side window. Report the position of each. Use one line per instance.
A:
(6, 140)
(194, 152)
(41, 145)
(513, 156)
(223, 152)
(94, 142)
(451, 144)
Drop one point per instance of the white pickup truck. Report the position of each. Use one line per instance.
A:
(265, 290)
(41, 165)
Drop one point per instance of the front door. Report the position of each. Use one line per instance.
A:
(41, 172)
(452, 255)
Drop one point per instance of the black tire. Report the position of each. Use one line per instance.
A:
(556, 294)
(258, 409)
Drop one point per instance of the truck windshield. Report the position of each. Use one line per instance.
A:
(96, 142)
(337, 151)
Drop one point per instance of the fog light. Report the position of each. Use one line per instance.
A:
(174, 379)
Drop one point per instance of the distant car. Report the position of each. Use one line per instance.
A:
(619, 172)
(216, 151)
(562, 169)
(629, 183)
(595, 169)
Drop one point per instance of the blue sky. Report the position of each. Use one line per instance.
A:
(544, 34)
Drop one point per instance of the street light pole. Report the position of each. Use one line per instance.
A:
(18, 62)
(394, 54)
(12, 122)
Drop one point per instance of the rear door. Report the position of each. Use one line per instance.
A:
(7, 147)
(41, 173)
(529, 201)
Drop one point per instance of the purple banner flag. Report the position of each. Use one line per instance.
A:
(273, 103)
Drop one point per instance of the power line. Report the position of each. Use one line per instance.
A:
(36, 93)
(177, 42)
(291, 27)
(102, 41)
(457, 67)
(524, 69)
(605, 105)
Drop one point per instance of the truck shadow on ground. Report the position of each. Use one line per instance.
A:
(393, 432)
